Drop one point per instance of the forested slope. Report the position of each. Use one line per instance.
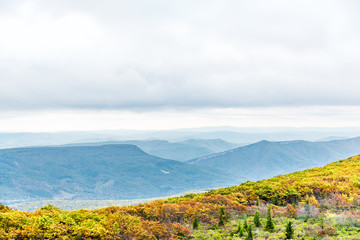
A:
(319, 202)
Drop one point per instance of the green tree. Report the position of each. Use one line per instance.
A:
(221, 220)
(196, 223)
(245, 226)
(222, 211)
(257, 222)
(238, 227)
(276, 200)
(270, 226)
(289, 231)
(249, 234)
(307, 209)
(241, 232)
(257, 202)
(222, 216)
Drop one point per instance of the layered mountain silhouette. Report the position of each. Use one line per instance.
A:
(267, 159)
(180, 150)
(97, 172)
(124, 171)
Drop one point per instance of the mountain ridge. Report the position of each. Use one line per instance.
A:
(266, 159)
(179, 150)
(97, 172)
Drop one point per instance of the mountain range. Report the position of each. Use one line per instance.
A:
(124, 171)
(120, 171)
(181, 150)
(266, 159)
(230, 134)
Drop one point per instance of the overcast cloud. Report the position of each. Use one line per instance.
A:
(174, 54)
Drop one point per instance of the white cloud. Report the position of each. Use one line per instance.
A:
(178, 54)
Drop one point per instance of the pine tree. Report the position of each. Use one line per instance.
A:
(270, 226)
(221, 217)
(239, 227)
(276, 200)
(241, 232)
(307, 209)
(249, 234)
(289, 231)
(195, 223)
(222, 211)
(221, 220)
(245, 226)
(257, 222)
(257, 202)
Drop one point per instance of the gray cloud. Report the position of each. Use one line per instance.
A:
(171, 54)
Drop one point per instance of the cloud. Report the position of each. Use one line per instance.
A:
(178, 54)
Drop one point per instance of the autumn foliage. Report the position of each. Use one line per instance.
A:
(335, 187)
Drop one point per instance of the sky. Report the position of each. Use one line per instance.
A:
(92, 65)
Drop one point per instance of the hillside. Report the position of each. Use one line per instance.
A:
(181, 150)
(97, 172)
(321, 203)
(267, 159)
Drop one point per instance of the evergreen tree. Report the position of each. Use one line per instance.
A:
(307, 209)
(238, 228)
(289, 231)
(270, 226)
(257, 202)
(241, 232)
(222, 211)
(221, 220)
(249, 234)
(276, 200)
(221, 217)
(195, 223)
(257, 222)
(245, 226)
